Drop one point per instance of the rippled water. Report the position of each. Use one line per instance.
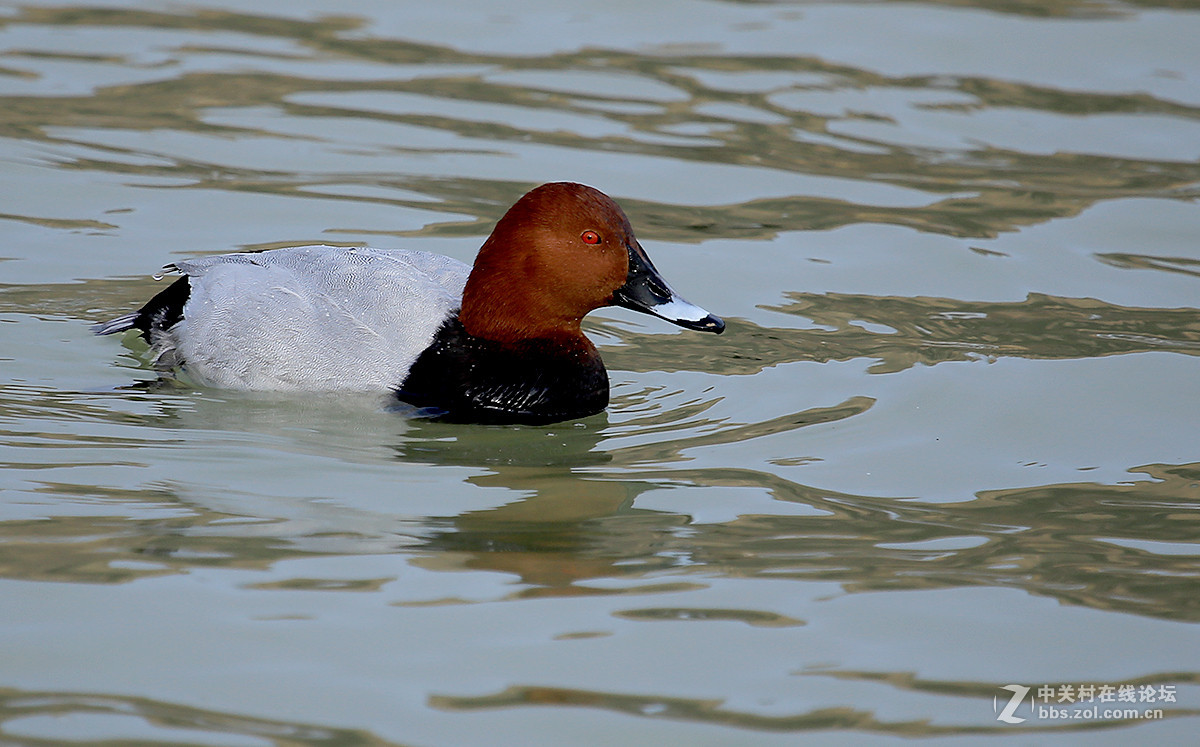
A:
(948, 443)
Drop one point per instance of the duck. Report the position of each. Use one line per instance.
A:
(496, 342)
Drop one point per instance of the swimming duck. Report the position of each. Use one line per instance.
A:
(499, 342)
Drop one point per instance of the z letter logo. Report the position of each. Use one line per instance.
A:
(1018, 693)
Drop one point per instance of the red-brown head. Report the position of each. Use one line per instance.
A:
(561, 251)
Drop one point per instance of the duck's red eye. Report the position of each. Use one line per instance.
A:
(590, 237)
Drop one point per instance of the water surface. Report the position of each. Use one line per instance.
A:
(947, 444)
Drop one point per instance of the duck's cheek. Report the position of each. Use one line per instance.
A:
(587, 283)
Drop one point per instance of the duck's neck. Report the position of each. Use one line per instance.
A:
(492, 311)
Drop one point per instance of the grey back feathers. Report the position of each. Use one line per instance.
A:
(310, 318)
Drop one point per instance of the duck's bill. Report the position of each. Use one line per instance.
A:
(645, 290)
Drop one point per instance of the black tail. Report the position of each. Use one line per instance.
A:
(161, 312)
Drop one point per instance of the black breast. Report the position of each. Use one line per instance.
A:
(468, 379)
